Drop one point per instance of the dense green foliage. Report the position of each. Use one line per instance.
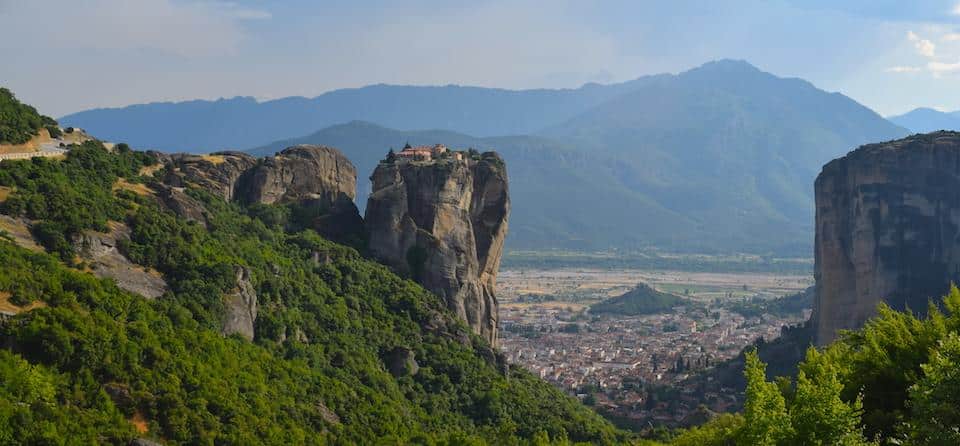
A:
(783, 306)
(71, 195)
(99, 356)
(895, 381)
(18, 121)
(643, 299)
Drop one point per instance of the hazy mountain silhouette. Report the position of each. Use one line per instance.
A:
(925, 120)
(721, 157)
(242, 122)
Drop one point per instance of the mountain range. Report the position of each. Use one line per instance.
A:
(925, 120)
(717, 158)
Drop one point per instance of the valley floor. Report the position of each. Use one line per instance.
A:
(635, 368)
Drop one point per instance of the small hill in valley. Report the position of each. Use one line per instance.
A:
(644, 299)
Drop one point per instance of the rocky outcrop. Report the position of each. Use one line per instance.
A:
(101, 252)
(217, 173)
(301, 173)
(443, 223)
(320, 179)
(241, 307)
(887, 229)
(176, 200)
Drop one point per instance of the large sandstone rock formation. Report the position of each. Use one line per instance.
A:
(217, 173)
(887, 229)
(301, 173)
(318, 178)
(443, 224)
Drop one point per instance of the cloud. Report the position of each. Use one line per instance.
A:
(188, 29)
(956, 9)
(939, 69)
(924, 47)
(950, 37)
(903, 69)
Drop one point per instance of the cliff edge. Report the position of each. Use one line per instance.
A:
(887, 229)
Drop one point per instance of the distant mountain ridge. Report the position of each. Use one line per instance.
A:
(243, 122)
(718, 158)
(926, 120)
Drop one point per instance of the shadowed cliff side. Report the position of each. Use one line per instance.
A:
(443, 223)
(887, 229)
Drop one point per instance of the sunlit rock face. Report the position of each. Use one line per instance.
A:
(887, 230)
(443, 223)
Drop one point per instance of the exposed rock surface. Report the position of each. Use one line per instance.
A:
(241, 307)
(17, 229)
(318, 178)
(217, 173)
(887, 229)
(443, 224)
(101, 252)
(301, 173)
(175, 199)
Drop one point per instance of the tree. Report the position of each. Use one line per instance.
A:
(935, 398)
(766, 421)
(818, 414)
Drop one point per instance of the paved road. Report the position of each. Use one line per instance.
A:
(45, 151)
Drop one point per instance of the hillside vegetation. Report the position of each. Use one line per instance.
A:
(19, 122)
(98, 364)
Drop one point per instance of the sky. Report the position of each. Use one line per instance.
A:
(69, 55)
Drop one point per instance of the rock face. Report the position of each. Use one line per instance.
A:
(443, 223)
(241, 307)
(318, 178)
(887, 229)
(101, 251)
(321, 180)
(301, 173)
(217, 173)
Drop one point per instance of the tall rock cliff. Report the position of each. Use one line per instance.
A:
(887, 229)
(443, 223)
(320, 180)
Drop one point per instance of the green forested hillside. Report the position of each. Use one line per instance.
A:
(18, 121)
(94, 362)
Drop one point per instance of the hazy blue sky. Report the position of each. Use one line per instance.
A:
(69, 55)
